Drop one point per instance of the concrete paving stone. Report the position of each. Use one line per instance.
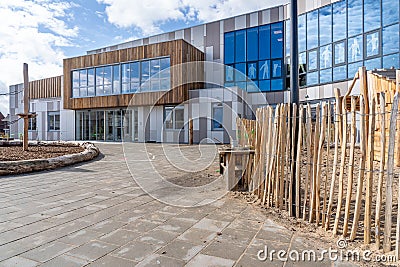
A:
(6, 226)
(136, 251)
(177, 225)
(158, 216)
(112, 261)
(260, 244)
(224, 250)
(247, 225)
(47, 251)
(197, 236)
(205, 260)
(191, 215)
(10, 236)
(181, 250)
(158, 237)
(119, 237)
(106, 226)
(251, 213)
(127, 217)
(211, 225)
(18, 262)
(343, 264)
(80, 237)
(272, 231)
(36, 227)
(92, 250)
(141, 226)
(156, 260)
(233, 236)
(222, 216)
(65, 261)
(249, 261)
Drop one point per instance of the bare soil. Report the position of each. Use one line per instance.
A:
(13, 153)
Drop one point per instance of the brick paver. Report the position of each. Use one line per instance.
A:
(95, 214)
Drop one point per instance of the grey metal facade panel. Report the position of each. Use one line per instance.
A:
(240, 22)
(247, 20)
(212, 34)
(203, 128)
(274, 15)
(229, 25)
(187, 35)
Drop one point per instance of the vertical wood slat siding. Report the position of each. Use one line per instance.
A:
(179, 52)
(45, 88)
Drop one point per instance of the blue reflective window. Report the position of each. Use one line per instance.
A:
(339, 20)
(252, 70)
(145, 73)
(354, 17)
(229, 73)
(99, 81)
(116, 80)
(375, 63)
(91, 77)
(340, 53)
(82, 78)
(312, 29)
(390, 39)
(252, 87)
(355, 49)
(264, 42)
(134, 70)
(240, 73)
(240, 46)
(372, 44)
(302, 63)
(276, 84)
(241, 85)
(353, 69)
(339, 73)
(229, 48)
(372, 15)
(325, 76)
(125, 77)
(312, 78)
(325, 57)
(302, 34)
(276, 68)
(287, 37)
(264, 69)
(312, 60)
(391, 61)
(390, 12)
(277, 40)
(252, 44)
(107, 76)
(325, 25)
(264, 85)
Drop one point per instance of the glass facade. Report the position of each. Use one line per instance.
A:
(129, 77)
(257, 56)
(335, 40)
(107, 125)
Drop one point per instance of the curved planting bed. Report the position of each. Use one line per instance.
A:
(43, 156)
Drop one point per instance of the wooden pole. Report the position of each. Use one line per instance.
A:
(314, 164)
(389, 182)
(319, 164)
(26, 106)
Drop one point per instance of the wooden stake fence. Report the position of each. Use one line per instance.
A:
(342, 181)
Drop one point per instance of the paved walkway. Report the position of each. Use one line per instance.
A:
(95, 214)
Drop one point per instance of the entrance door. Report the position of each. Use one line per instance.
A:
(135, 122)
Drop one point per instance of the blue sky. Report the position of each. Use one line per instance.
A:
(44, 32)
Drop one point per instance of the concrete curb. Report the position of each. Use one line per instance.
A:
(24, 166)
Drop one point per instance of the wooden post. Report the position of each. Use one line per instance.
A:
(328, 147)
(389, 182)
(190, 131)
(382, 155)
(298, 158)
(319, 159)
(26, 106)
(314, 164)
(351, 166)
(307, 185)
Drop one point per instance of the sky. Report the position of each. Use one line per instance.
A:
(44, 32)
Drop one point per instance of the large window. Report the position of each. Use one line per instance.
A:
(54, 121)
(130, 77)
(254, 58)
(174, 118)
(32, 124)
(217, 117)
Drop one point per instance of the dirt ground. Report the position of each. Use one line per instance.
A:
(12, 153)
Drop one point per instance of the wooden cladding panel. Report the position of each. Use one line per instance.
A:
(179, 52)
(45, 88)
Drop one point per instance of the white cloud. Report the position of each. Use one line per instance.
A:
(34, 32)
(148, 16)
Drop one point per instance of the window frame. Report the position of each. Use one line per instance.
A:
(53, 115)
(214, 107)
